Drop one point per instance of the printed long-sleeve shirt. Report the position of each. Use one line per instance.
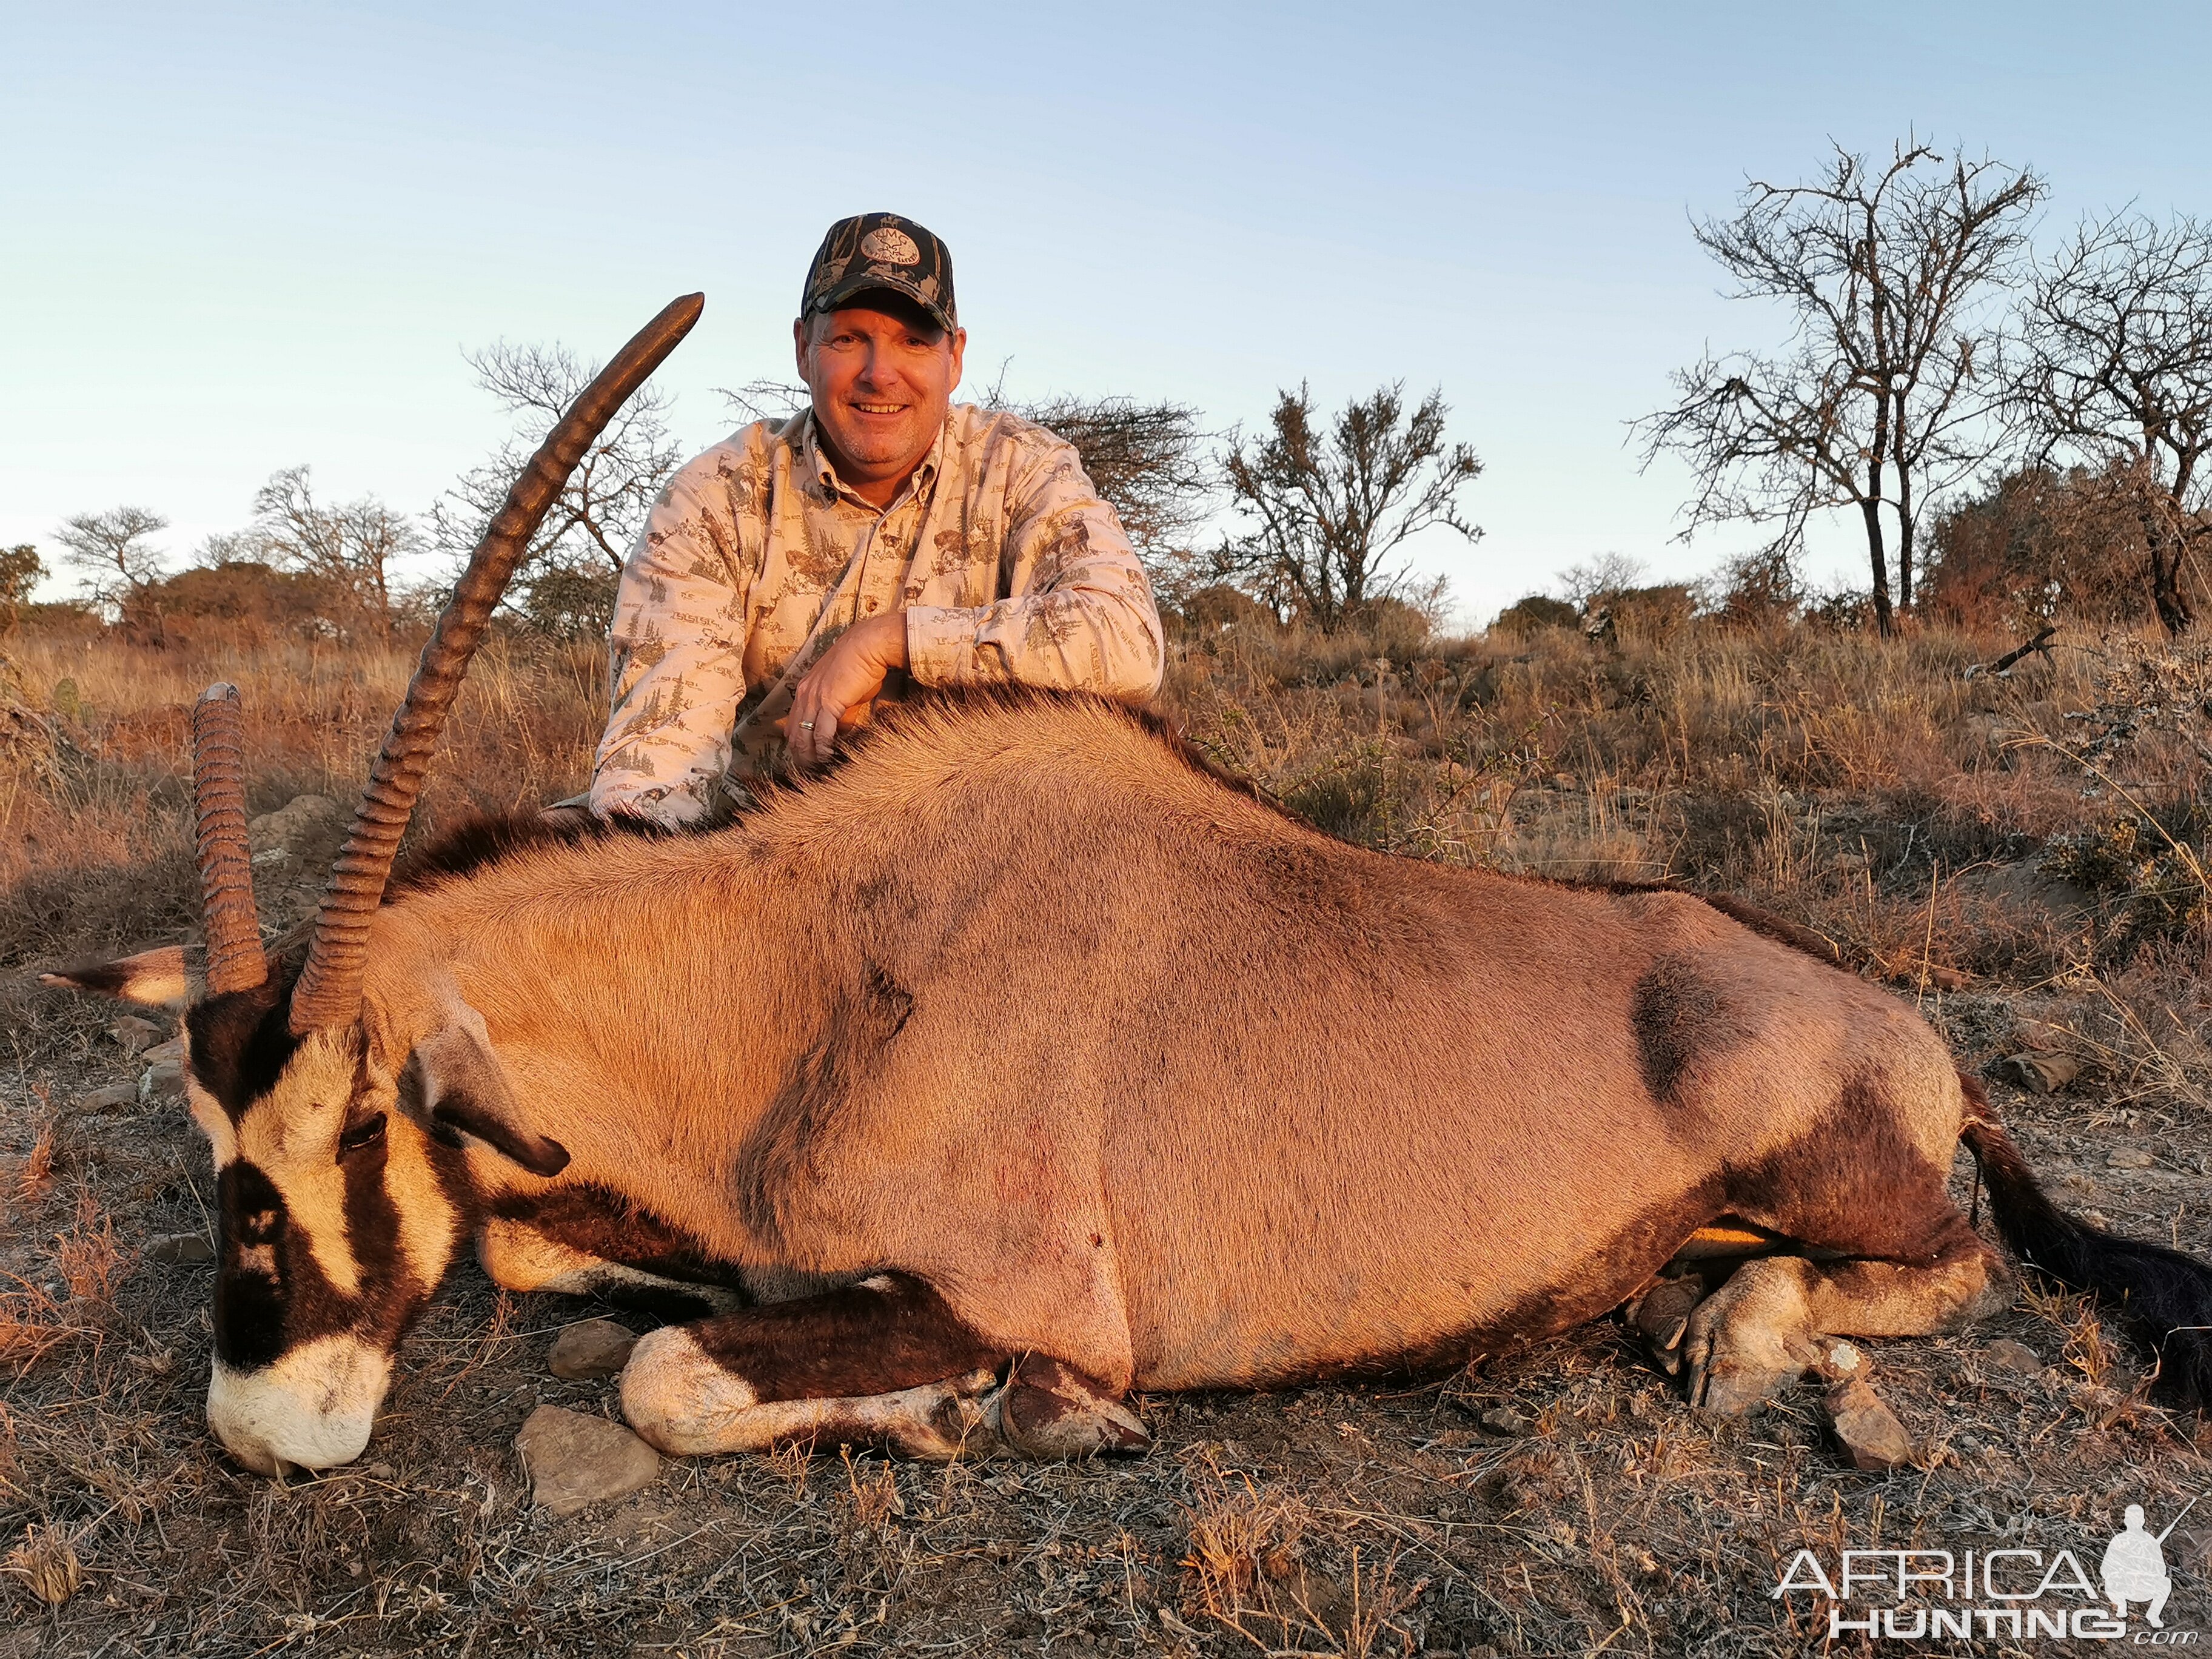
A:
(1007, 564)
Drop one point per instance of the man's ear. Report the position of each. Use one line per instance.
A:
(453, 1084)
(153, 979)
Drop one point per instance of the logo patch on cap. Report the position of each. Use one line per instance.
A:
(890, 246)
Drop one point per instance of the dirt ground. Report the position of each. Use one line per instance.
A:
(1556, 1500)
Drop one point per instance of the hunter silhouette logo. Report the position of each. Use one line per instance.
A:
(2022, 1594)
(2134, 1568)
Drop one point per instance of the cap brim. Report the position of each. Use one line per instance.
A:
(851, 287)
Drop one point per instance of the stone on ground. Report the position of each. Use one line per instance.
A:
(1868, 1429)
(180, 1248)
(113, 1097)
(2039, 1074)
(591, 1347)
(574, 1461)
(131, 1033)
(2017, 1358)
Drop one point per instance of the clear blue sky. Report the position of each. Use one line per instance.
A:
(234, 237)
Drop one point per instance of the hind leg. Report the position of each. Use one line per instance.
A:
(1759, 1331)
(882, 1363)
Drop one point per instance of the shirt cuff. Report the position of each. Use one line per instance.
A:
(941, 648)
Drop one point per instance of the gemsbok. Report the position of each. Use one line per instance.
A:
(1020, 1061)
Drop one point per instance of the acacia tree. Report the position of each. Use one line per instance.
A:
(2115, 369)
(1332, 508)
(349, 546)
(567, 574)
(112, 552)
(1881, 400)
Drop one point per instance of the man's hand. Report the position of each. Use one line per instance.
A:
(838, 689)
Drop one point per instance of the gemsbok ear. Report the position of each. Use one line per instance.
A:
(152, 979)
(452, 1086)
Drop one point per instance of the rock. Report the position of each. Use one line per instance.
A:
(165, 1079)
(172, 1049)
(133, 1034)
(2015, 1357)
(574, 1461)
(1869, 1431)
(2038, 1073)
(1838, 1360)
(113, 1097)
(591, 1347)
(180, 1249)
(2129, 1157)
(1504, 1419)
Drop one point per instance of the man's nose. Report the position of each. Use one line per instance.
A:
(877, 369)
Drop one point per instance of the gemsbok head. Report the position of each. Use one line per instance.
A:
(341, 1208)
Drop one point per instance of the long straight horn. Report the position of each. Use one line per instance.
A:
(234, 959)
(329, 991)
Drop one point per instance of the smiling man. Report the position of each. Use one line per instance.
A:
(883, 537)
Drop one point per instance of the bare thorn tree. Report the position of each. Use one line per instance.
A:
(568, 575)
(2115, 368)
(1147, 461)
(349, 546)
(1332, 508)
(112, 552)
(1883, 398)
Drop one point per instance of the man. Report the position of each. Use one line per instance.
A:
(794, 573)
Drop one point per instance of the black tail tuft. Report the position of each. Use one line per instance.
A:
(2165, 1294)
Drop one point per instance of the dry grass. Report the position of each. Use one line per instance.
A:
(1868, 790)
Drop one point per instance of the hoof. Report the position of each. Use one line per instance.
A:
(1049, 1410)
(1663, 1315)
(680, 1400)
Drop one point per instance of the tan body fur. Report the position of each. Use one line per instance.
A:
(1137, 1072)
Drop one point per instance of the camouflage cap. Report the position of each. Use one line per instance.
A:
(881, 251)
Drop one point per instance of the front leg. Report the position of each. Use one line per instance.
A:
(517, 1255)
(882, 1363)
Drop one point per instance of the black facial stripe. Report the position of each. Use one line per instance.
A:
(269, 1291)
(241, 1041)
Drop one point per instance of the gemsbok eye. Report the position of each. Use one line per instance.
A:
(367, 1133)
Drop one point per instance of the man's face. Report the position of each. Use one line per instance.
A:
(881, 374)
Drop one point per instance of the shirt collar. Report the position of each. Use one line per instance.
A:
(819, 468)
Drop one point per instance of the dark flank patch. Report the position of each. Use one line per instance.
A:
(773, 1158)
(846, 1343)
(1600, 1283)
(603, 1224)
(1854, 1182)
(241, 1041)
(1680, 1018)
